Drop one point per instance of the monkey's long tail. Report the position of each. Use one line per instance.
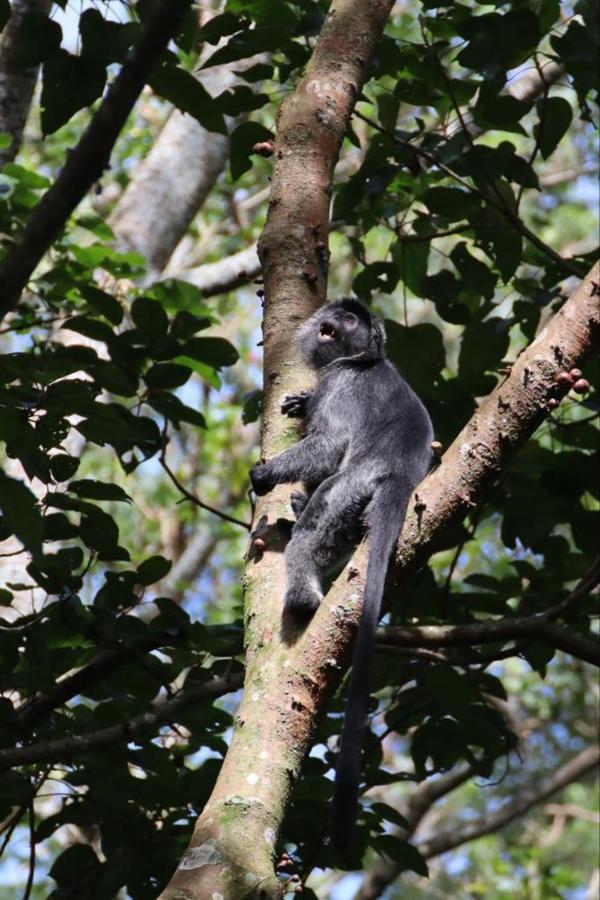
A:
(386, 518)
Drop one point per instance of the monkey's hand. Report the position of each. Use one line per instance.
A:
(295, 405)
(261, 478)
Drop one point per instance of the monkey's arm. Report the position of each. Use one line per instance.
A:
(311, 460)
(296, 405)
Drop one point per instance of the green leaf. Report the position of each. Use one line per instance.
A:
(252, 407)
(90, 328)
(401, 852)
(215, 352)
(38, 39)
(173, 409)
(239, 100)
(220, 26)
(482, 349)
(99, 490)
(63, 466)
(153, 569)
(150, 318)
(100, 532)
(555, 116)
(180, 295)
(76, 865)
(188, 95)
(474, 273)
(500, 112)
(103, 303)
(114, 378)
(21, 513)
(185, 324)
(449, 201)
(505, 40)
(243, 139)
(383, 811)
(26, 177)
(4, 12)
(166, 375)
(418, 352)
(578, 51)
(104, 40)
(411, 260)
(70, 83)
(247, 43)
(269, 12)
(207, 373)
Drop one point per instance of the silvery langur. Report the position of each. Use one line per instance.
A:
(367, 445)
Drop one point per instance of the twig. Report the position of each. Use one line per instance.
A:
(193, 498)
(31, 873)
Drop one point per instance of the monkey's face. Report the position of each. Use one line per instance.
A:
(339, 330)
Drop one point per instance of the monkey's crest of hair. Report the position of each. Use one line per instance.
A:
(344, 331)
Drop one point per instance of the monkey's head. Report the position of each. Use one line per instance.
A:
(341, 330)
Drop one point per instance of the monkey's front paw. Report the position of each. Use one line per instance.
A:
(295, 405)
(261, 479)
(302, 601)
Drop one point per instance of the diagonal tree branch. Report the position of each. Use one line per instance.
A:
(537, 627)
(226, 274)
(526, 799)
(385, 871)
(90, 157)
(67, 747)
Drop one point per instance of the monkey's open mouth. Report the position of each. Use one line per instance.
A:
(326, 331)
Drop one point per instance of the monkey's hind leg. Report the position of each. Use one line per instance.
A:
(326, 529)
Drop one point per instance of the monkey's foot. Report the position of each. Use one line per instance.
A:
(302, 601)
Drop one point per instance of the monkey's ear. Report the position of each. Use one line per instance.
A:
(379, 337)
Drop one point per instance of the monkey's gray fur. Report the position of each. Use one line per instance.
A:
(367, 446)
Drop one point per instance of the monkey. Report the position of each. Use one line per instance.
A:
(367, 445)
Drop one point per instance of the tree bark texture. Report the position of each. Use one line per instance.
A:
(231, 852)
(171, 184)
(16, 85)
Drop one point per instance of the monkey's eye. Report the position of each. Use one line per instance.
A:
(350, 320)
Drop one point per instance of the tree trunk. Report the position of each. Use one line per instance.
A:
(287, 673)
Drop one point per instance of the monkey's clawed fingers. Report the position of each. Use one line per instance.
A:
(294, 405)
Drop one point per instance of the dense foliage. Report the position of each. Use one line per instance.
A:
(465, 214)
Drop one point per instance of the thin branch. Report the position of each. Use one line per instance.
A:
(451, 656)
(537, 627)
(379, 877)
(525, 800)
(38, 707)
(224, 275)
(193, 498)
(90, 157)
(67, 747)
(31, 867)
